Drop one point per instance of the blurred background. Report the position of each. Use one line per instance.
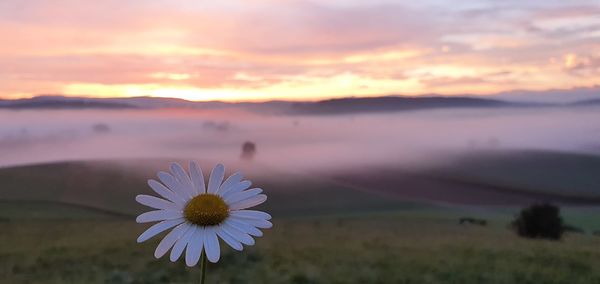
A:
(429, 142)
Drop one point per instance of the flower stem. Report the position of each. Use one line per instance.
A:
(203, 267)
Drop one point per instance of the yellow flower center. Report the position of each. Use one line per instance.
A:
(206, 210)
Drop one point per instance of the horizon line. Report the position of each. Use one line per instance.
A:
(325, 98)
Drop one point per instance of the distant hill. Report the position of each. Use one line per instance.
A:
(393, 103)
(591, 102)
(331, 106)
(153, 102)
(64, 102)
(555, 96)
(60, 102)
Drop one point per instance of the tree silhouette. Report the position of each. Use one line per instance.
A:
(248, 150)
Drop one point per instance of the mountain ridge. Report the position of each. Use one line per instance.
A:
(391, 103)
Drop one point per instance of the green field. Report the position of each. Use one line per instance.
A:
(74, 223)
(402, 246)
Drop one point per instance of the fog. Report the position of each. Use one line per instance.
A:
(290, 142)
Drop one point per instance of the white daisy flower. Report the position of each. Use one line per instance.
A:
(200, 216)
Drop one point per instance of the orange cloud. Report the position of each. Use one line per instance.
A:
(261, 50)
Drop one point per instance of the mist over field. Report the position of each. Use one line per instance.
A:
(392, 189)
(291, 142)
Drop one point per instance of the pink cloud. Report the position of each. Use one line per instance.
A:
(253, 45)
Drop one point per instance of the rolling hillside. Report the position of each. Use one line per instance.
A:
(552, 174)
(498, 178)
(113, 186)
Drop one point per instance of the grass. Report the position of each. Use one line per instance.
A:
(390, 247)
(74, 223)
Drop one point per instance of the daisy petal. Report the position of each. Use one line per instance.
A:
(243, 195)
(216, 178)
(235, 188)
(211, 245)
(197, 178)
(181, 244)
(159, 228)
(194, 247)
(230, 181)
(232, 242)
(259, 223)
(174, 185)
(165, 192)
(237, 234)
(244, 227)
(155, 202)
(170, 239)
(247, 203)
(183, 178)
(251, 214)
(158, 215)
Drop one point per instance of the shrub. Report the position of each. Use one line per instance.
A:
(539, 221)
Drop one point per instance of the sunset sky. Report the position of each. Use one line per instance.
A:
(295, 50)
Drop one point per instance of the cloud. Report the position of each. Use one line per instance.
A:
(582, 65)
(280, 49)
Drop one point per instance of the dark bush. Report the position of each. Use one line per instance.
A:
(539, 221)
